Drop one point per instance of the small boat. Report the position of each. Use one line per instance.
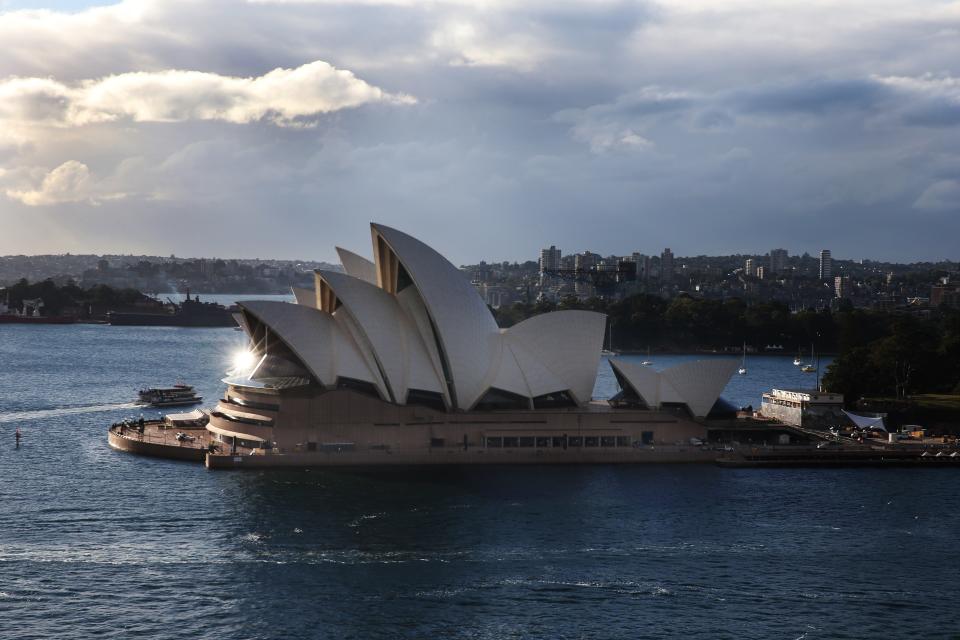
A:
(743, 364)
(647, 362)
(608, 351)
(797, 361)
(176, 396)
(809, 368)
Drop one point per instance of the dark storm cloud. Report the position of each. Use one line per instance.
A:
(611, 126)
(813, 96)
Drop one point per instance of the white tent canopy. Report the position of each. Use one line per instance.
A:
(866, 422)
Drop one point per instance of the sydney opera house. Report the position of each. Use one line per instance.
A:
(397, 360)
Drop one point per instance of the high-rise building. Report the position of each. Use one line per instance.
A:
(666, 266)
(762, 272)
(549, 261)
(750, 268)
(584, 263)
(482, 272)
(778, 260)
(841, 287)
(826, 265)
(643, 265)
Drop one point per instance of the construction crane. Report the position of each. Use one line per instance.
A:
(604, 278)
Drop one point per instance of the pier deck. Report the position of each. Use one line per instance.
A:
(159, 440)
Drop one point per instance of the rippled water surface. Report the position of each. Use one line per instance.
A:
(96, 543)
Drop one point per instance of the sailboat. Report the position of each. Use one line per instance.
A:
(608, 351)
(743, 364)
(647, 362)
(796, 361)
(809, 368)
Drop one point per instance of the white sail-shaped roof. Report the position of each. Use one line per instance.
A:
(468, 336)
(392, 336)
(508, 375)
(323, 347)
(413, 326)
(701, 382)
(567, 344)
(357, 266)
(696, 384)
(306, 297)
(644, 381)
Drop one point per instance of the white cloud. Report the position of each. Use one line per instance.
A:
(938, 85)
(282, 96)
(70, 182)
(608, 137)
(940, 196)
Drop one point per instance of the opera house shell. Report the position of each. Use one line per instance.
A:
(397, 360)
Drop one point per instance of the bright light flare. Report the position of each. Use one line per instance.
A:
(243, 361)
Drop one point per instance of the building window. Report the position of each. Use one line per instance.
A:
(559, 441)
(360, 386)
(556, 400)
(510, 442)
(429, 399)
(495, 442)
(623, 441)
(591, 441)
(526, 441)
(240, 402)
(499, 400)
(575, 441)
(608, 441)
(242, 420)
(647, 437)
(542, 442)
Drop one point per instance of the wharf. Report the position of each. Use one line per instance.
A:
(159, 439)
(840, 455)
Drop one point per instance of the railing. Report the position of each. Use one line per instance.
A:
(165, 437)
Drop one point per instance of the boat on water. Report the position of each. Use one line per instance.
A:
(30, 314)
(797, 361)
(608, 350)
(178, 395)
(743, 363)
(648, 362)
(190, 313)
(808, 368)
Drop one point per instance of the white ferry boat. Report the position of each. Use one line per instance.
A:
(176, 396)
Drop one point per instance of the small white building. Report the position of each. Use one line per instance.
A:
(803, 407)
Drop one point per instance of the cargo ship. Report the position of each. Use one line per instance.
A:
(190, 313)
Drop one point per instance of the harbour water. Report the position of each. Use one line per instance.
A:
(97, 543)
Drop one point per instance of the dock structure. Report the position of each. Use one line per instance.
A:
(158, 438)
(840, 455)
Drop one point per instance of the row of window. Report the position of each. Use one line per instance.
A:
(250, 404)
(240, 419)
(563, 442)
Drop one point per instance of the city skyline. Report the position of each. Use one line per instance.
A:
(711, 128)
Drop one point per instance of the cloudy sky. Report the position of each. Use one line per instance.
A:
(279, 128)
